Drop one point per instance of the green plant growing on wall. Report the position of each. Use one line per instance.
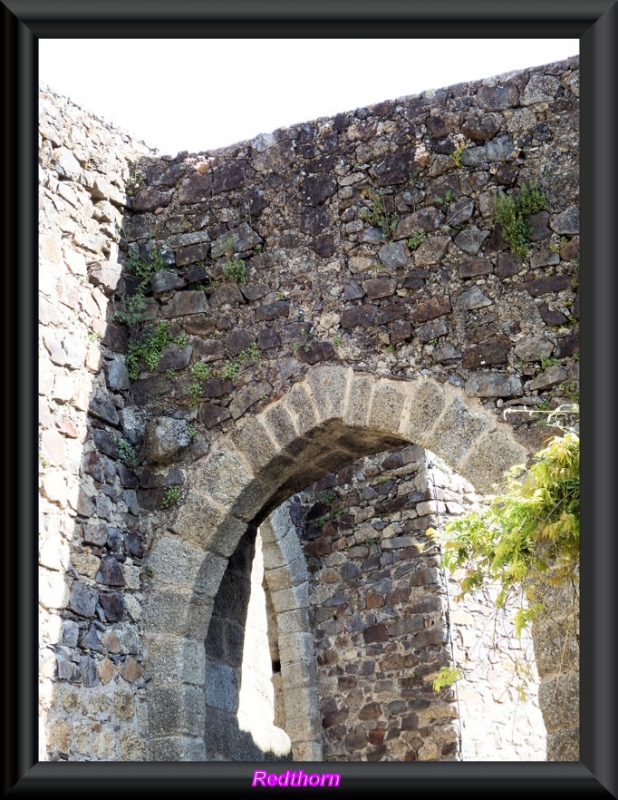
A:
(134, 305)
(201, 371)
(125, 451)
(457, 154)
(231, 369)
(171, 497)
(147, 346)
(511, 212)
(195, 392)
(416, 240)
(377, 215)
(556, 247)
(234, 269)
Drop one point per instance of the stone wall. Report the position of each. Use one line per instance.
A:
(385, 619)
(273, 311)
(90, 548)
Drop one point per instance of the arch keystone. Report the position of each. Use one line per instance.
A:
(360, 395)
(329, 385)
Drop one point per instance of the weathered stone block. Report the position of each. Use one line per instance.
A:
(491, 384)
(177, 748)
(177, 612)
(328, 387)
(458, 430)
(425, 406)
(176, 709)
(248, 397)
(181, 564)
(174, 659)
(489, 459)
(185, 303)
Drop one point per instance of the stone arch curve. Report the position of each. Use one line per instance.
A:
(323, 423)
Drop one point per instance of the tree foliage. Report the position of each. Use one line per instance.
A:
(525, 537)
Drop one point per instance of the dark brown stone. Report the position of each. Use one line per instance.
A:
(212, 414)
(207, 350)
(567, 345)
(392, 311)
(357, 740)
(426, 219)
(134, 545)
(280, 309)
(376, 736)
(370, 711)
(551, 317)
(409, 722)
(496, 98)
(174, 357)
(508, 264)
(83, 599)
(115, 338)
(113, 606)
(554, 283)
(400, 332)
(323, 245)
(148, 198)
(471, 267)
(506, 174)
(427, 637)
(228, 176)
(315, 352)
(487, 354)
(336, 718)
(318, 188)
(376, 633)
(94, 534)
(380, 287)
(110, 572)
(238, 341)
(479, 129)
(318, 547)
(217, 387)
(358, 316)
(436, 307)
(396, 168)
(268, 338)
(195, 188)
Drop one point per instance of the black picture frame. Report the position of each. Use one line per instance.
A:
(595, 24)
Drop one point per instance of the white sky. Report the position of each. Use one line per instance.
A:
(201, 94)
